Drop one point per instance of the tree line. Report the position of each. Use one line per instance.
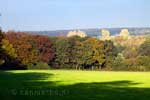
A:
(19, 50)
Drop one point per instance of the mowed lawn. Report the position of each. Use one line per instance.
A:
(74, 85)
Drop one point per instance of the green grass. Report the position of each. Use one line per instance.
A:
(74, 85)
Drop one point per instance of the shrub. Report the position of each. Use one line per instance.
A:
(144, 61)
(38, 65)
(118, 64)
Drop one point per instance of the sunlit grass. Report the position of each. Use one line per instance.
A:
(67, 77)
(96, 84)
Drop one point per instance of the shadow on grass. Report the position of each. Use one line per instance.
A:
(33, 86)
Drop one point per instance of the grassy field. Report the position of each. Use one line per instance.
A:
(74, 85)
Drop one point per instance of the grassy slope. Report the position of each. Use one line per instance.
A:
(74, 85)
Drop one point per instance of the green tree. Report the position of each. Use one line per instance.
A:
(144, 61)
(61, 46)
(118, 62)
(109, 52)
(1, 38)
(144, 49)
(93, 54)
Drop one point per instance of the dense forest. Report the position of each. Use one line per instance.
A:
(20, 50)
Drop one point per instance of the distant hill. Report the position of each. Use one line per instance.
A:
(94, 32)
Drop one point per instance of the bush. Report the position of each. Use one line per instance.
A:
(138, 68)
(39, 65)
(144, 61)
(117, 63)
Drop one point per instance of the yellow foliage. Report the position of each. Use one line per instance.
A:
(8, 48)
(124, 33)
(77, 33)
(105, 34)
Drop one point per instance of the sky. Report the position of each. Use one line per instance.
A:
(41, 15)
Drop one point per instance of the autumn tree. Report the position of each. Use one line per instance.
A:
(8, 55)
(24, 49)
(77, 33)
(31, 48)
(43, 45)
(93, 52)
(105, 34)
(1, 38)
(124, 33)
